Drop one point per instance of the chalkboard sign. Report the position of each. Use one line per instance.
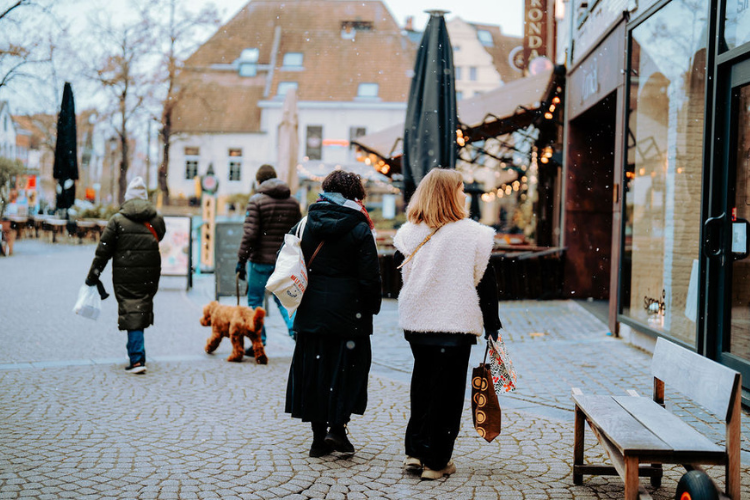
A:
(228, 239)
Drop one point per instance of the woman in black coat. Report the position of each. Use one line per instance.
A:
(331, 363)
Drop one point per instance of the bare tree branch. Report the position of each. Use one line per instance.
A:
(10, 9)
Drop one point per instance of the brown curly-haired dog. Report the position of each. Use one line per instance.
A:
(235, 322)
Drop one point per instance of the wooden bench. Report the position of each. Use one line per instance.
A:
(639, 434)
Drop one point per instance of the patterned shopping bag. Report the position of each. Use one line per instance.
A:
(485, 409)
(503, 374)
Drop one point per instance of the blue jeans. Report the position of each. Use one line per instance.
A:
(136, 347)
(257, 278)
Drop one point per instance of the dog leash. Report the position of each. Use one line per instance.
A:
(237, 284)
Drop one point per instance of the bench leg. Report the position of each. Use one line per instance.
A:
(578, 445)
(656, 478)
(631, 478)
(734, 438)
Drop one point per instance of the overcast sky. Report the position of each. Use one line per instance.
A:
(506, 13)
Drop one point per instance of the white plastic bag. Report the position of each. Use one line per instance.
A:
(289, 280)
(89, 304)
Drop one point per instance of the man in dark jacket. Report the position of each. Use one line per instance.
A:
(271, 213)
(131, 239)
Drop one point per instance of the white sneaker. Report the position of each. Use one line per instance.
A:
(412, 463)
(137, 368)
(430, 474)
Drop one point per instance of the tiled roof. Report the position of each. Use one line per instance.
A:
(211, 107)
(333, 66)
(499, 50)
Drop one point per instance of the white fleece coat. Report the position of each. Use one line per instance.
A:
(439, 292)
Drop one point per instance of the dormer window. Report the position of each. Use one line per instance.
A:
(367, 90)
(293, 60)
(485, 37)
(248, 62)
(349, 29)
(285, 87)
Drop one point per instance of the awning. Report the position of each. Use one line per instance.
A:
(501, 111)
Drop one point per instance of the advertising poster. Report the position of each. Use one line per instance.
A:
(175, 247)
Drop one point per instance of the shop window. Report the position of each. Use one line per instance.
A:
(736, 25)
(285, 87)
(314, 142)
(663, 177)
(473, 74)
(293, 60)
(459, 95)
(367, 90)
(457, 72)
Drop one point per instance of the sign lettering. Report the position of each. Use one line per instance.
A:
(535, 42)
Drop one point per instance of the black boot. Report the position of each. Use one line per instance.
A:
(319, 446)
(336, 439)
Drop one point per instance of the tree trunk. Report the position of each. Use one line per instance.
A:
(123, 180)
(166, 132)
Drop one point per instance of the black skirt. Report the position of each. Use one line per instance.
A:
(328, 378)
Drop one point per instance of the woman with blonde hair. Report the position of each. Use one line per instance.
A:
(448, 298)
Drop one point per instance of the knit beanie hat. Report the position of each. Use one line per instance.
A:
(136, 189)
(265, 172)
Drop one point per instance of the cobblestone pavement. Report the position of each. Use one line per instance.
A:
(74, 425)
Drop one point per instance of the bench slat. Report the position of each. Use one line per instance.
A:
(670, 428)
(619, 426)
(700, 379)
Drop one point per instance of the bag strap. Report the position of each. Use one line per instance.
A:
(301, 228)
(300, 231)
(151, 228)
(418, 247)
(486, 350)
(314, 254)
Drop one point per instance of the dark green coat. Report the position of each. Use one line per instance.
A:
(136, 261)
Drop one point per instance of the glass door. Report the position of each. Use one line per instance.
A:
(727, 232)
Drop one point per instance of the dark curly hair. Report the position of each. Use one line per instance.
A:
(348, 184)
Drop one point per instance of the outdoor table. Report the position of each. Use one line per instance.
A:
(86, 228)
(38, 222)
(55, 226)
(19, 221)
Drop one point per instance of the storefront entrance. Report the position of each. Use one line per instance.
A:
(726, 231)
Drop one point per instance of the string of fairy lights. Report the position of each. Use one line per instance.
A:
(305, 172)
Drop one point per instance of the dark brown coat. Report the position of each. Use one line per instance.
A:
(270, 214)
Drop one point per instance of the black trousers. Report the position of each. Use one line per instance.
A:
(438, 387)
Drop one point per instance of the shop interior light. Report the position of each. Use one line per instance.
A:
(551, 107)
(368, 161)
(544, 159)
(642, 171)
(460, 140)
(555, 100)
(548, 115)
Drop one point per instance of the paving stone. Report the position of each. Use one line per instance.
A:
(196, 426)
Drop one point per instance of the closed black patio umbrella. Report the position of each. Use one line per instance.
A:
(66, 158)
(431, 121)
